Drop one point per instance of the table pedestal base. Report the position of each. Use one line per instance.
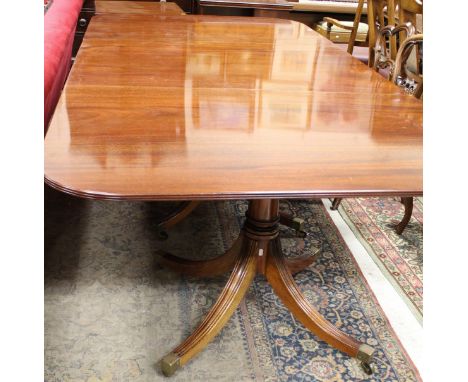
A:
(257, 250)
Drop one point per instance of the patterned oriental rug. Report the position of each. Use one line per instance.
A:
(111, 311)
(400, 257)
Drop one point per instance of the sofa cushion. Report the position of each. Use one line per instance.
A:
(59, 30)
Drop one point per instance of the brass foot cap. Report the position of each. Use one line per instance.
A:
(314, 251)
(169, 364)
(297, 224)
(365, 353)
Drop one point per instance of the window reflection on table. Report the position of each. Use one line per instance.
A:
(230, 88)
(283, 86)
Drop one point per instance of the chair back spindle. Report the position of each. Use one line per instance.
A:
(382, 13)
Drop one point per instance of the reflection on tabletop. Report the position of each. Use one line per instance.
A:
(151, 98)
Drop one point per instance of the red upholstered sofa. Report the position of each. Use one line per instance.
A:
(59, 29)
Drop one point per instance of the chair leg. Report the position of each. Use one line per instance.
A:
(357, 19)
(336, 203)
(408, 203)
(241, 277)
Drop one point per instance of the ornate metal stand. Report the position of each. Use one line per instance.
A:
(257, 250)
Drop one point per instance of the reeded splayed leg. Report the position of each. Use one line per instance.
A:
(286, 288)
(258, 250)
(297, 264)
(300, 263)
(175, 217)
(232, 294)
(203, 268)
(224, 263)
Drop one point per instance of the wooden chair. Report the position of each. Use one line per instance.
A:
(400, 73)
(384, 62)
(382, 13)
(353, 27)
(412, 83)
(390, 21)
(410, 80)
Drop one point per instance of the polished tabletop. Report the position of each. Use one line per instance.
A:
(137, 7)
(207, 107)
(258, 4)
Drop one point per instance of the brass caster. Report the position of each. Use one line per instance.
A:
(162, 235)
(367, 368)
(169, 364)
(297, 224)
(365, 356)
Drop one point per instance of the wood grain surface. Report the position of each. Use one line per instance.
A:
(138, 7)
(256, 4)
(207, 107)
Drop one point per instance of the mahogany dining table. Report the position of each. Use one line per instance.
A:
(194, 108)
